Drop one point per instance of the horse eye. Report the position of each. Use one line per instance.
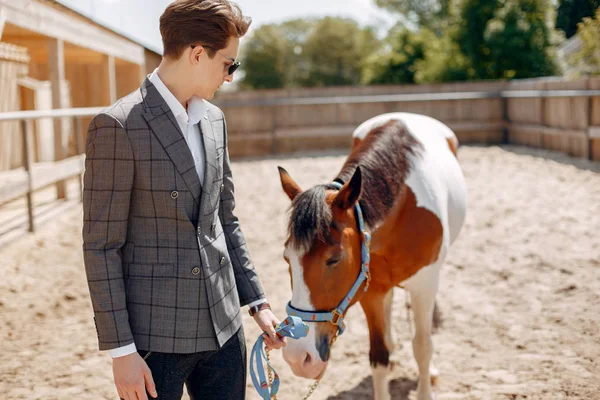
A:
(332, 261)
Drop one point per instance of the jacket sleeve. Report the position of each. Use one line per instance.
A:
(248, 285)
(108, 180)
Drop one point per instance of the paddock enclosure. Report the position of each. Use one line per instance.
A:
(520, 293)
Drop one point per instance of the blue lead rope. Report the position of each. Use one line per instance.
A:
(292, 327)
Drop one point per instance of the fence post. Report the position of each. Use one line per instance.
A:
(505, 118)
(27, 133)
(274, 144)
(56, 65)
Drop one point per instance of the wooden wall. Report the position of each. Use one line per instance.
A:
(566, 124)
(267, 122)
(258, 127)
(14, 62)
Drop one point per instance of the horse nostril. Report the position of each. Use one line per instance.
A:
(307, 360)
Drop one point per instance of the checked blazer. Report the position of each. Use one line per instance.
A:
(166, 262)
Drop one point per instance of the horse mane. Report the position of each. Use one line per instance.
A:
(384, 164)
(311, 218)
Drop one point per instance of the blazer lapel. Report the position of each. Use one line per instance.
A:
(164, 126)
(210, 167)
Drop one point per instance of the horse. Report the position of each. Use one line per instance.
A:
(403, 182)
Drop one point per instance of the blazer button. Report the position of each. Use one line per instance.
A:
(222, 187)
(195, 271)
(222, 260)
(174, 194)
(199, 231)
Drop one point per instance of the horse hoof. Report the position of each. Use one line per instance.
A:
(434, 380)
(434, 375)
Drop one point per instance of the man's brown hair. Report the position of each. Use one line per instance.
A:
(201, 22)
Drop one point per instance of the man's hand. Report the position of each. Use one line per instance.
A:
(266, 320)
(133, 377)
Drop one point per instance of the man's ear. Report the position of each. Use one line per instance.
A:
(195, 53)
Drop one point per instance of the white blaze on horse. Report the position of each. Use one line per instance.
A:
(404, 174)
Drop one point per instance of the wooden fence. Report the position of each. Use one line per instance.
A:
(546, 113)
(24, 181)
(555, 114)
(282, 121)
(551, 114)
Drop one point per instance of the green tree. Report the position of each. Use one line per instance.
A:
(398, 64)
(520, 39)
(587, 60)
(264, 58)
(471, 34)
(443, 62)
(507, 39)
(295, 33)
(430, 14)
(335, 53)
(572, 12)
(309, 52)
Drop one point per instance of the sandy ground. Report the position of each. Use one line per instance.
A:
(520, 293)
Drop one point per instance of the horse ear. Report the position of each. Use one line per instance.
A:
(290, 187)
(350, 192)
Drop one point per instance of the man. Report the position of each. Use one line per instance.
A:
(167, 264)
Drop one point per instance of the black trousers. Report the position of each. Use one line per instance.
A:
(206, 375)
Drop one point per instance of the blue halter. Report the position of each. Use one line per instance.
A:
(336, 316)
(292, 327)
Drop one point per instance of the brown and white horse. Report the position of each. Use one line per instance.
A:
(404, 174)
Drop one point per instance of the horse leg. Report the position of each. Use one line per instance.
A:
(422, 302)
(434, 373)
(374, 306)
(389, 334)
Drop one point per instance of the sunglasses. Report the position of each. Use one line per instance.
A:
(234, 64)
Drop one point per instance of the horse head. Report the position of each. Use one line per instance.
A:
(324, 254)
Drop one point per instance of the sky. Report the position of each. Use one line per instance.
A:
(138, 19)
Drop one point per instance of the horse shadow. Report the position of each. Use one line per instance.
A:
(399, 390)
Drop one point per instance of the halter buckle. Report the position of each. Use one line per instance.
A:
(335, 320)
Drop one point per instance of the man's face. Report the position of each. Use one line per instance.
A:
(210, 73)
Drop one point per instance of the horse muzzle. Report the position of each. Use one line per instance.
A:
(304, 363)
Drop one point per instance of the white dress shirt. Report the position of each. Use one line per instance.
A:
(188, 123)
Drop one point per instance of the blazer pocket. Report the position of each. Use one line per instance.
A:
(150, 285)
(151, 271)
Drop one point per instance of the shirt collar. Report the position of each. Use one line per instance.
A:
(196, 107)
